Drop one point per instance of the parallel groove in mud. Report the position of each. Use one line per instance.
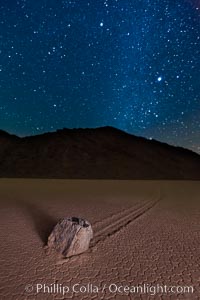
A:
(115, 223)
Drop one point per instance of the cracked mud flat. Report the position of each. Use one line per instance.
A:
(144, 232)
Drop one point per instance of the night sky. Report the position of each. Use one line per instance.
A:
(131, 64)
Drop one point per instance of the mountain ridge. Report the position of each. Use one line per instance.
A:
(94, 153)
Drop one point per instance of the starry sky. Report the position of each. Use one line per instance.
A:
(134, 65)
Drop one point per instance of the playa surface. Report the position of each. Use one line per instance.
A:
(145, 233)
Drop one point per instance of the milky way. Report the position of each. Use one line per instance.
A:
(129, 64)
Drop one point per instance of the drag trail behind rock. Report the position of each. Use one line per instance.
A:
(114, 223)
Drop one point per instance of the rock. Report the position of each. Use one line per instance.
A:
(71, 236)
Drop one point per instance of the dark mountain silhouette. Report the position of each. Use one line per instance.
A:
(101, 153)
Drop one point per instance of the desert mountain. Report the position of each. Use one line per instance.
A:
(101, 153)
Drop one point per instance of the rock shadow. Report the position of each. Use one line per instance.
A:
(43, 222)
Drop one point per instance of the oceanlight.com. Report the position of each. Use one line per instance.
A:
(111, 288)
